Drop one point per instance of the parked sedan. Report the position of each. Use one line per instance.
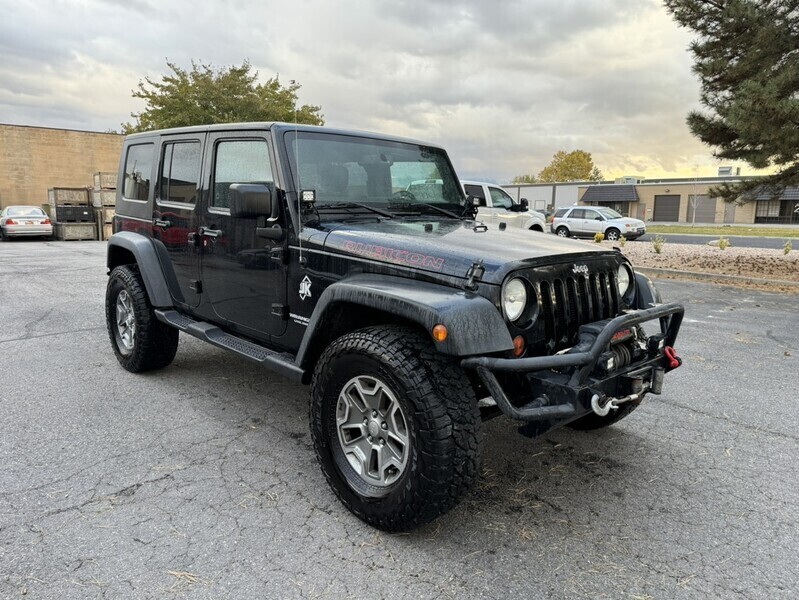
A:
(24, 221)
(587, 221)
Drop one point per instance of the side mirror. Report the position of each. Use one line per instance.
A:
(522, 206)
(251, 200)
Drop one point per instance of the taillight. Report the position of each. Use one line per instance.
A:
(46, 222)
(10, 222)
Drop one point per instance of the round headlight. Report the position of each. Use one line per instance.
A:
(514, 298)
(624, 279)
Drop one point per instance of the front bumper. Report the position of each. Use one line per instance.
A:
(560, 388)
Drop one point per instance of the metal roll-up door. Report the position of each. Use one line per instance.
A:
(667, 208)
(704, 211)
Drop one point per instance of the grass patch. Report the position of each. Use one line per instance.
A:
(778, 232)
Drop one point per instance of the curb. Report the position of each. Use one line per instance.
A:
(655, 272)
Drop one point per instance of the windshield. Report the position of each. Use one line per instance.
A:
(376, 173)
(25, 211)
(609, 213)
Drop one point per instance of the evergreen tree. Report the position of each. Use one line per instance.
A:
(747, 59)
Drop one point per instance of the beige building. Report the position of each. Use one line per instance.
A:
(34, 159)
(689, 201)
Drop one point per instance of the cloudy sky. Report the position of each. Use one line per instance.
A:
(502, 85)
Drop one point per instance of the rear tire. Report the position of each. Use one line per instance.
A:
(395, 426)
(140, 341)
(562, 232)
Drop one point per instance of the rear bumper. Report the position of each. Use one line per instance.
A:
(27, 230)
(560, 388)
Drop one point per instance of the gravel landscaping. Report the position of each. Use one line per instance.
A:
(763, 264)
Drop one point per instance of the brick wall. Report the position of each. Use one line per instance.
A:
(33, 159)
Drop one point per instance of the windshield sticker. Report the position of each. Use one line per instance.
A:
(402, 257)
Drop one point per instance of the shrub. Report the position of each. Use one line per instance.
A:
(598, 237)
(657, 243)
(724, 243)
(787, 247)
(622, 241)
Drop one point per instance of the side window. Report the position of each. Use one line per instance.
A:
(500, 199)
(593, 215)
(476, 191)
(180, 169)
(577, 213)
(138, 167)
(239, 161)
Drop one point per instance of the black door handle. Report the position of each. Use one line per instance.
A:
(211, 233)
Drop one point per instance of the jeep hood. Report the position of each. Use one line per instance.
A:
(451, 247)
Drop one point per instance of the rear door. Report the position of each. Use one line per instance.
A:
(243, 275)
(175, 211)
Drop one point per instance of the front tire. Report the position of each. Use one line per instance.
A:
(140, 341)
(612, 235)
(395, 426)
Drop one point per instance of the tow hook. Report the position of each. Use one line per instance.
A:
(603, 405)
(671, 355)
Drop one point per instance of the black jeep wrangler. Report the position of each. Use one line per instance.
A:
(304, 249)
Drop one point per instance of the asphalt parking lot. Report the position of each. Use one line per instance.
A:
(199, 481)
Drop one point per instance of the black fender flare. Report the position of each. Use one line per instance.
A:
(145, 254)
(647, 294)
(474, 324)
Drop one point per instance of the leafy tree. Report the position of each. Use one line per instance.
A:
(525, 179)
(747, 61)
(207, 95)
(577, 165)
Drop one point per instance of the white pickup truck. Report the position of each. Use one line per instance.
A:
(495, 205)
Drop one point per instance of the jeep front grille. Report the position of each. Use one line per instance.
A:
(573, 300)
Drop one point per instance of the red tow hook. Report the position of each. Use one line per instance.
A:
(671, 354)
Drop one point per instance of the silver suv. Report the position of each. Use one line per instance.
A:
(587, 221)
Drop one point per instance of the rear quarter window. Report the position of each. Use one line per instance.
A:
(560, 213)
(138, 171)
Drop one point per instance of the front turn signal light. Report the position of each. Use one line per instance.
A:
(519, 346)
(440, 333)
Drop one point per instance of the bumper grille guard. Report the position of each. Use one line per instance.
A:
(584, 356)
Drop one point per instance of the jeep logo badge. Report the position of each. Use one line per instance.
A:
(580, 269)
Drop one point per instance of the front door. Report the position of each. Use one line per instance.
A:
(174, 213)
(243, 275)
(593, 222)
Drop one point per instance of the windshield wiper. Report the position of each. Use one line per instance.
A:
(438, 209)
(350, 205)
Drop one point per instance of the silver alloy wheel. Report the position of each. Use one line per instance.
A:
(562, 232)
(612, 235)
(372, 431)
(126, 321)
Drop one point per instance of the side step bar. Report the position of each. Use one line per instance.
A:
(280, 362)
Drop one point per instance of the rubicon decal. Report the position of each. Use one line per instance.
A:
(395, 255)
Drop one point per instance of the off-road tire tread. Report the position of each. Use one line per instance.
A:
(447, 420)
(156, 343)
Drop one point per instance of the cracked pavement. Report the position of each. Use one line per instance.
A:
(199, 481)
